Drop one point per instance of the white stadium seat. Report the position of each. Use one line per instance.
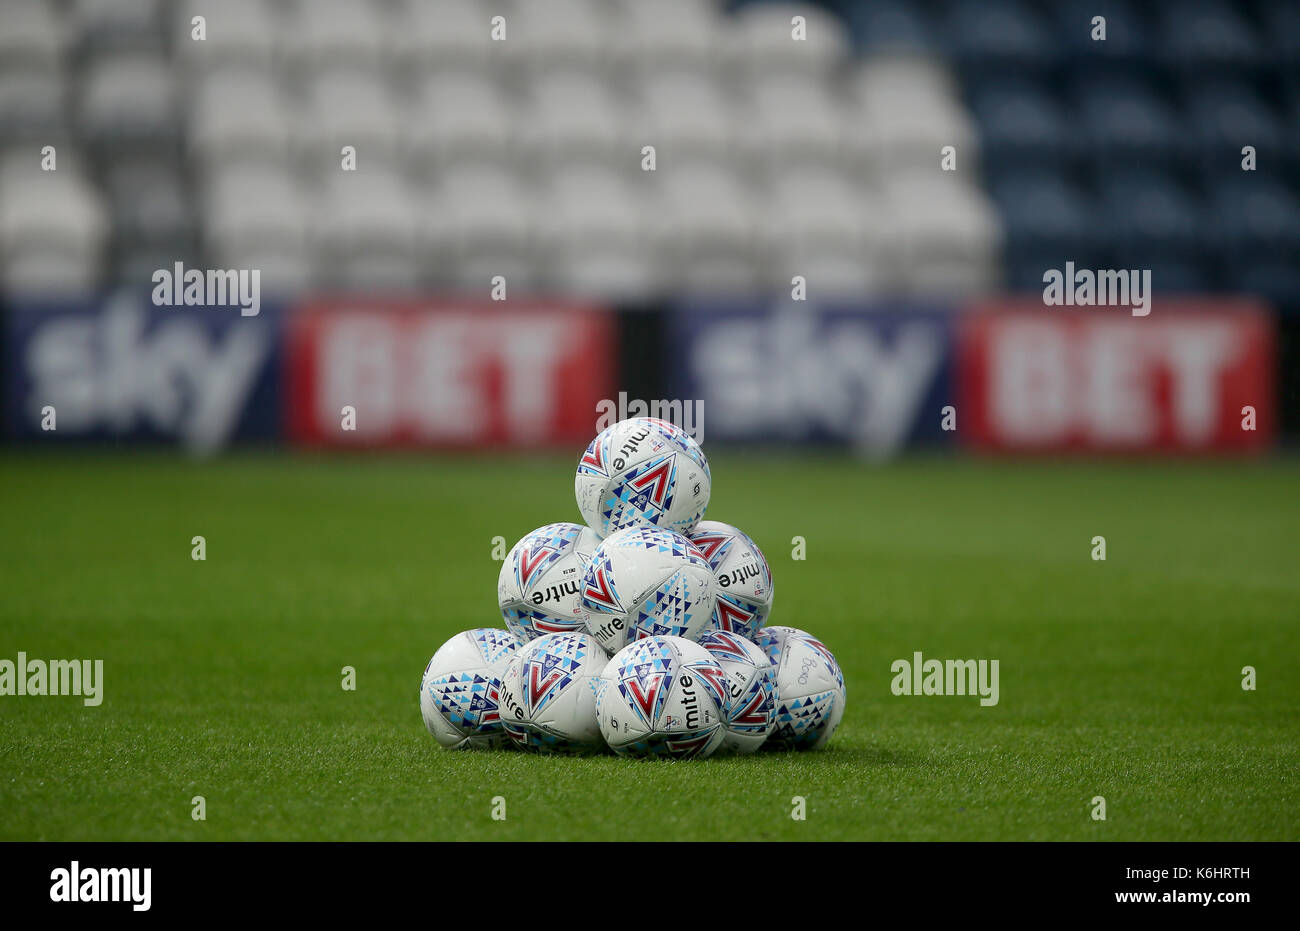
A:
(560, 35)
(588, 208)
(128, 96)
(593, 235)
(31, 35)
(686, 114)
(120, 23)
(237, 32)
(480, 222)
(671, 35)
(238, 113)
(794, 119)
(440, 35)
(763, 43)
(459, 117)
(705, 229)
(365, 210)
(348, 107)
(820, 225)
(53, 227)
(577, 117)
(912, 112)
(257, 217)
(365, 226)
(948, 231)
(334, 33)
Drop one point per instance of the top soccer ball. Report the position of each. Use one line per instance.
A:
(642, 472)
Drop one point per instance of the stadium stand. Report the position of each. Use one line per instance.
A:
(774, 157)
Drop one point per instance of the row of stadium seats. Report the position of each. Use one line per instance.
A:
(578, 228)
(1179, 34)
(889, 106)
(887, 111)
(424, 34)
(1200, 125)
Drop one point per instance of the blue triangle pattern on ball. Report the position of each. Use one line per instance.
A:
(664, 613)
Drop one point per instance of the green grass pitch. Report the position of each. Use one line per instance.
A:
(222, 678)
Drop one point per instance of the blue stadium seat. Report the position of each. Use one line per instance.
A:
(1001, 35)
(886, 26)
(1256, 217)
(1281, 27)
(1226, 115)
(1150, 216)
(1126, 41)
(1279, 281)
(1197, 35)
(1048, 221)
(1174, 277)
(1125, 118)
(1022, 122)
(1291, 156)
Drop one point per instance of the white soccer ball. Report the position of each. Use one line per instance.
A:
(548, 693)
(642, 472)
(751, 688)
(539, 589)
(647, 582)
(663, 697)
(809, 688)
(460, 691)
(744, 579)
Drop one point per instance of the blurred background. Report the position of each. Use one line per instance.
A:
(841, 231)
(819, 231)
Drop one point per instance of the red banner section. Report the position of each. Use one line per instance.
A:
(445, 373)
(1194, 376)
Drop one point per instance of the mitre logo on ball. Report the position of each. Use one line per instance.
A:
(744, 581)
(644, 582)
(663, 696)
(539, 588)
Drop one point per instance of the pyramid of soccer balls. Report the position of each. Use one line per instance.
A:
(643, 631)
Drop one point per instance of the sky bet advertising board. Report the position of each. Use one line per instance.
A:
(1002, 376)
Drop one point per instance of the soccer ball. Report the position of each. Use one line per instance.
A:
(663, 697)
(642, 472)
(539, 589)
(751, 687)
(809, 687)
(459, 693)
(744, 580)
(548, 693)
(644, 582)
